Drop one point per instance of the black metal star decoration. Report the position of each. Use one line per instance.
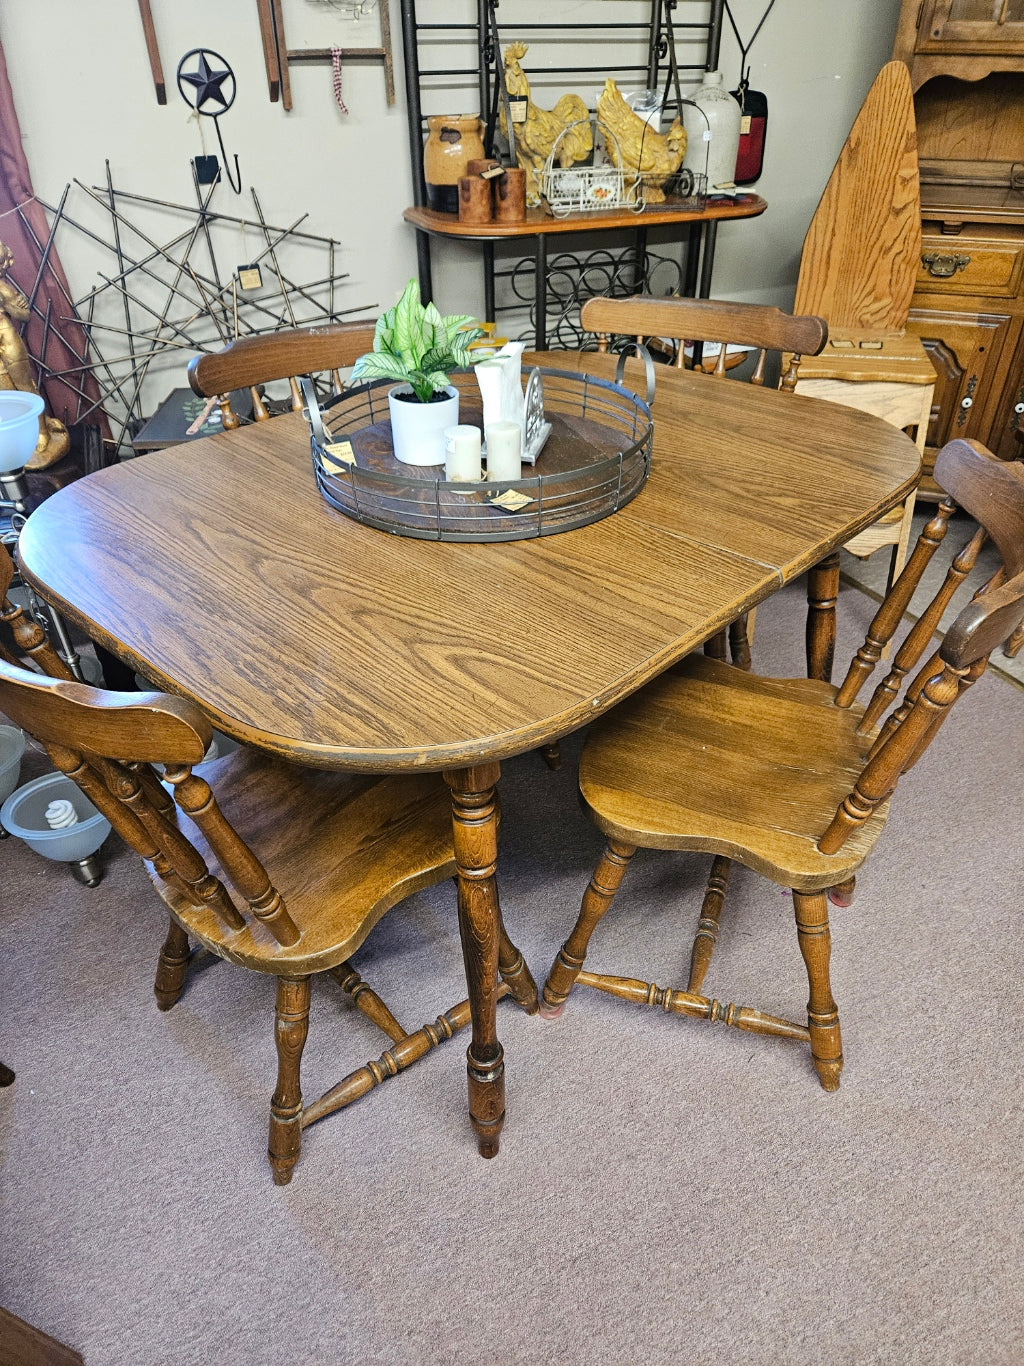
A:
(206, 82)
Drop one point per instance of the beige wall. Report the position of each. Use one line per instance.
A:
(815, 59)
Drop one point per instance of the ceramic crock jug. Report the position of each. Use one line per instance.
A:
(453, 140)
(712, 132)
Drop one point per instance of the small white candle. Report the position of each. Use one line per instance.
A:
(462, 454)
(504, 451)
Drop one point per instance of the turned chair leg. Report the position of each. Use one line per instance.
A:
(717, 646)
(552, 754)
(739, 643)
(291, 1025)
(710, 918)
(596, 900)
(513, 971)
(822, 596)
(842, 893)
(822, 1015)
(170, 968)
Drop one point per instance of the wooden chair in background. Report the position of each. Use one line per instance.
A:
(251, 362)
(792, 777)
(286, 871)
(680, 321)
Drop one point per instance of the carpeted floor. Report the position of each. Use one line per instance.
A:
(665, 1190)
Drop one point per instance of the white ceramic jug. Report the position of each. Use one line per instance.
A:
(712, 132)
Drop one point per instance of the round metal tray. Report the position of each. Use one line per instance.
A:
(596, 459)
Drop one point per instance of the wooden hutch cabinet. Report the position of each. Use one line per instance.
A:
(966, 61)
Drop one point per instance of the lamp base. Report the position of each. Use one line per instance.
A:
(14, 490)
(88, 871)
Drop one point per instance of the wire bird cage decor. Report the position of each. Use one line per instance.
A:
(588, 187)
(596, 460)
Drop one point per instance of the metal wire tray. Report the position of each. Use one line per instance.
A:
(596, 460)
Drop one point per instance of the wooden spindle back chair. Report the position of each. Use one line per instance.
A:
(682, 321)
(31, 642)
(285, 871)
(793, 777)
(29, 637)
(250, 362)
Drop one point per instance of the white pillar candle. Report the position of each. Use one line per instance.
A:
(462, 454)
(504, 451)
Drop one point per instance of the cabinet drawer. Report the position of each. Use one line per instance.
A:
(957, 265)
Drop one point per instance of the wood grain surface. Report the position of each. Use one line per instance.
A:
(218, 571)
(862, 250)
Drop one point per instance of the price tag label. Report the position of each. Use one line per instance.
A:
(338, 456)
(249, 277)
(510, 501)
(519, 107)
(745, 124)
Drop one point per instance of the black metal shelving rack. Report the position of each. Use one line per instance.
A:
(661, 32)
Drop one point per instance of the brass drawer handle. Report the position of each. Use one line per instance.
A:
(944, 266)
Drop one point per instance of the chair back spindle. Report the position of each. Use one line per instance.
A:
(991, 492)
(29, 636)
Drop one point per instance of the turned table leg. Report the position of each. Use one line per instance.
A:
(822, 596)
(475, 828)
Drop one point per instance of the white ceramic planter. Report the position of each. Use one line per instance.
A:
(417, 429)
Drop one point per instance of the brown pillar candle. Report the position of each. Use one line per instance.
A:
(474, 200)
(510, 196)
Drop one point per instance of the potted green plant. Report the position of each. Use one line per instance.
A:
(414, 344)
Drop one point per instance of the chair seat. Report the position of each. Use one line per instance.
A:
(716, 759)
(341, 849)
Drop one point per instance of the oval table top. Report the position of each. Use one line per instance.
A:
(217, 570)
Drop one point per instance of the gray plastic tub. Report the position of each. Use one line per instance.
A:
(12, 747)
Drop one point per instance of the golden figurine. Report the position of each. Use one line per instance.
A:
(652, 155)
(16, 367)
(543, 127)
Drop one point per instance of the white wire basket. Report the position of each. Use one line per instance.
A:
(592, 188)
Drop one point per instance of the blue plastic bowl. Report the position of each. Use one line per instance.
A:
(19, 427)
(12, 747)
(24, 815)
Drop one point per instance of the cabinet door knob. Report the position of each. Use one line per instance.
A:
(967, 403)
(944, 266)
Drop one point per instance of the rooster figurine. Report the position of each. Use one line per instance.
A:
(643, 150)
(544, 127)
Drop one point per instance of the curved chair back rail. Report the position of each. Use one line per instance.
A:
(252, 361)
(707, 320)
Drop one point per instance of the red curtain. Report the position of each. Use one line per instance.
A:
(59, 345)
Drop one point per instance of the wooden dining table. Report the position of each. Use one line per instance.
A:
(218, 571)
